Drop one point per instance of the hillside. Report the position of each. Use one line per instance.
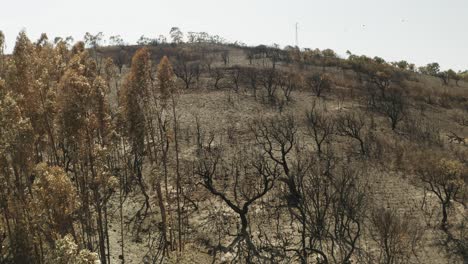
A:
(220, 153)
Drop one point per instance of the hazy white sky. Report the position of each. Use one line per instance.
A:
(420, 31)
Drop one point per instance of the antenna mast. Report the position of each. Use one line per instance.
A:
(297, 39)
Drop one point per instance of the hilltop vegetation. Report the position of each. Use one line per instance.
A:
(211, 152)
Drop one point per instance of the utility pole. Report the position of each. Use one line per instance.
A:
(297, 39)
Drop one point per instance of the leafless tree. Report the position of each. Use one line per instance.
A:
(382, 80)
(225, 57)
(320, 126)
(251, 76)
(328, 203)
(204, 138)
(217, 74)
(235, 76)
(274, 54)
(239, 182)
(208, 60)
(445, 178)
(187, 68)
(288, 83)
(122, 58)
(269, 79)
(250, 54)
(397, 237)
(353, 126)
(277, 136)
(421, 131)
(393, 106)
(371, 95)
(318, 83)
(330, 208)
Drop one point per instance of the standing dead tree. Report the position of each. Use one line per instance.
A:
(235, 76)
(318, 83)
(326, 201)
(277, 136)
(444, 178)
(238, 181)
(186, 67)
(393, 106)
(289, 83)
(332, 210)
(217, 75)
(225, 57)
(269, 79)
(397, 237)
(251, 76)
(320, 126)
(122, 58)
(382, 79)
(250, 55)
(207, 61)
(352, 126)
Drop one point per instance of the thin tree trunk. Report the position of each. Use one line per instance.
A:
(178, 187)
